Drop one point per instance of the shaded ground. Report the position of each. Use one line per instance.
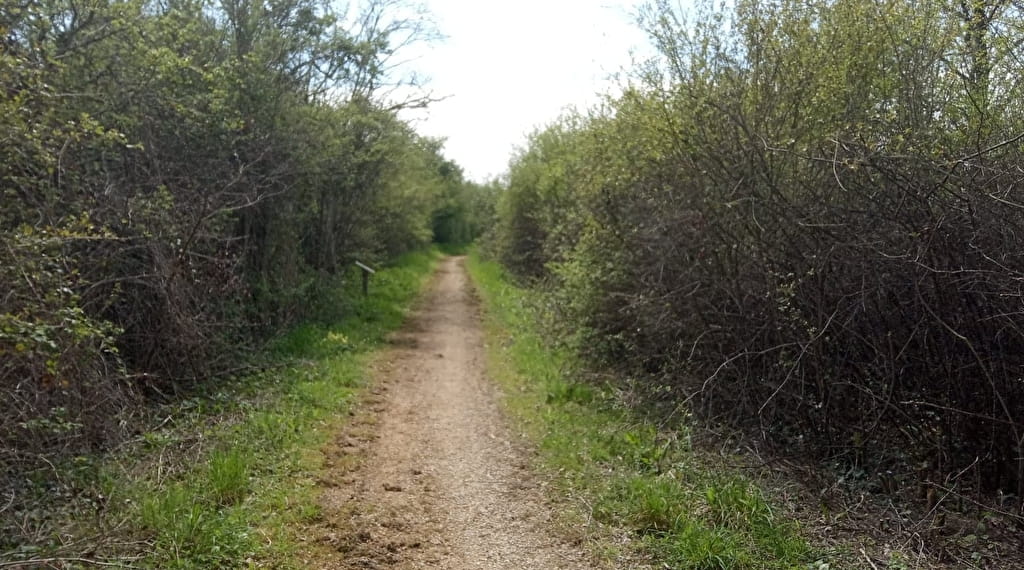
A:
(429, 475)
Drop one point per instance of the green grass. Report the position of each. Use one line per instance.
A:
(626, 473)
(229, 476)
(241, 500)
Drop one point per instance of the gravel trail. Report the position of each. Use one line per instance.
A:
(429, 475)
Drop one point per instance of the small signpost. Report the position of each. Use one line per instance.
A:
(367, 271)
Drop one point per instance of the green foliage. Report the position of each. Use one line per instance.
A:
(59, 364)
(240, 493)
(797, 220)
(536, 213)
(467, 212)
(691, 512)
(189, 534)
(229, 471)
(180, 181)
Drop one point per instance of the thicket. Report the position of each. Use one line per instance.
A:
(804, 219)
(623, 472)
(178, 178)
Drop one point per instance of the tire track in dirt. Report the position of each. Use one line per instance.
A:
(441, 481)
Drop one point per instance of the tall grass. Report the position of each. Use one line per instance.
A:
(626, 472)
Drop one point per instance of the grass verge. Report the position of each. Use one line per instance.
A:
(228, 475)
(621, 470)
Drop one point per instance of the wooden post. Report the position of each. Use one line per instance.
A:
(367, 271)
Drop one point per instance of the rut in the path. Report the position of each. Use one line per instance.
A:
(443, 483)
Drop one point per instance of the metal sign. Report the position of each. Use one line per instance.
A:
(366, 268)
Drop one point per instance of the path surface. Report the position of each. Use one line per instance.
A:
(441, 481)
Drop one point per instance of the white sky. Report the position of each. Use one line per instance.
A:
(509, 66)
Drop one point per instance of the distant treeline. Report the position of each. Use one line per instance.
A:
(180, 178)
(804, 220)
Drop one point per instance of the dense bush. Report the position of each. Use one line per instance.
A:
(804, 220)
(178, 179)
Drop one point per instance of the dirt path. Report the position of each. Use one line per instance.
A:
(442, 483)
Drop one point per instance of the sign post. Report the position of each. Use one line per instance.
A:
(367, 271)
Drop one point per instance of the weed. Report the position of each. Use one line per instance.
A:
(228, 476)
(561, 392)
(189, 533)
(699, 547)
(650, 504)
(273, 430)
(735, 502)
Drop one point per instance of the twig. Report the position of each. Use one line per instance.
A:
(835, 171)
(36, 561)
(866, 557)
(1008, 514)
(9, 503)
(958, 162)
(796, 363)
(1006, 142)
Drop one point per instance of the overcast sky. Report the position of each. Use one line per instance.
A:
(509, 66)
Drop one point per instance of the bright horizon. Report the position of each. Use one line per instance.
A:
(506, 68)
